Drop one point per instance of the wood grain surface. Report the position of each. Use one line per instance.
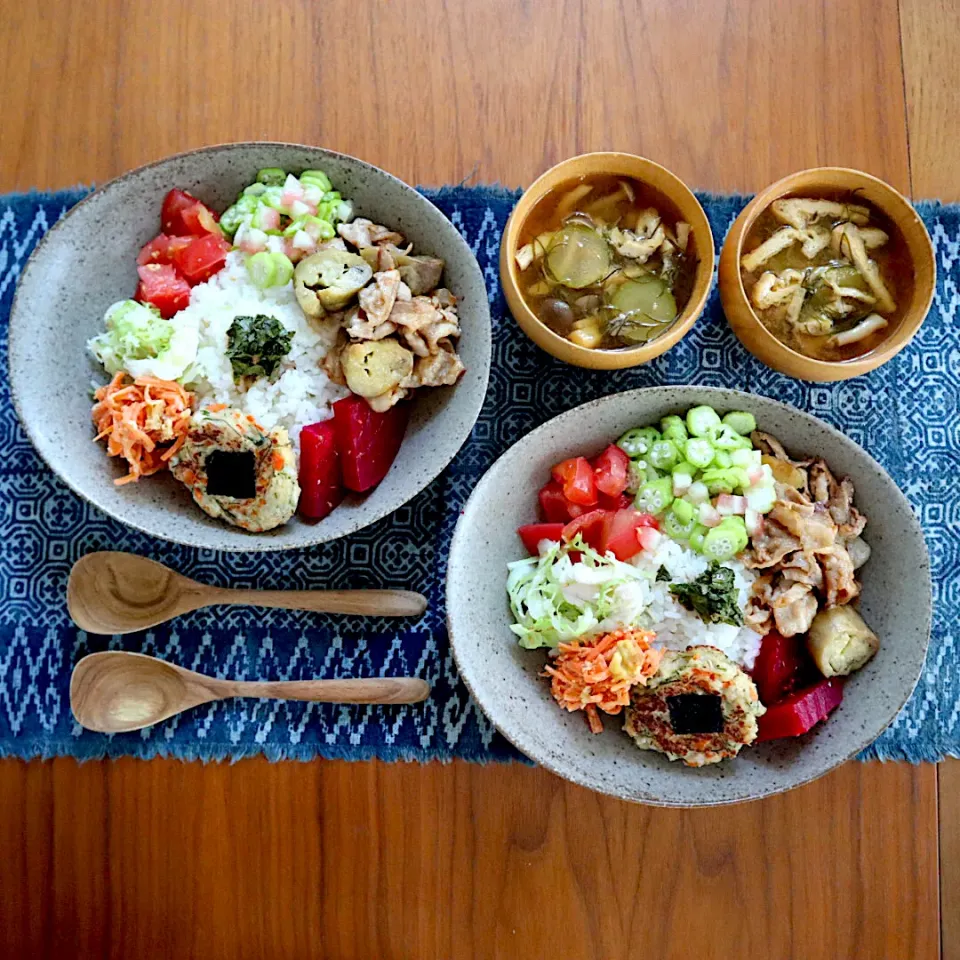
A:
(132, 859)
(164, 859)
(932, 84)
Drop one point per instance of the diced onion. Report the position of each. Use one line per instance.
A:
(648, 537)
(708, 516)
(753, 522)
(303, 241)
(728, 505)
(301, 209)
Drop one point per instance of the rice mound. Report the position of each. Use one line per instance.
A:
(675, 626)
(301, 394)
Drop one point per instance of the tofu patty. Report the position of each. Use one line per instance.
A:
(699, 707)
(238, 472)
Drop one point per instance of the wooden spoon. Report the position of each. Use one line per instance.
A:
(115, 691)
(112, 593)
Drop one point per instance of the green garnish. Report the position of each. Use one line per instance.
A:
(712, 596)
(663, 574)
(256, 345)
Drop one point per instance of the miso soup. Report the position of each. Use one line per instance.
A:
(829, 276)
(606, 262)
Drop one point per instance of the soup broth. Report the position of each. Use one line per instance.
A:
(606, 262)
(820, 302)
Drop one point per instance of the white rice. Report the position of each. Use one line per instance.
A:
(650, 604)
(302, 394)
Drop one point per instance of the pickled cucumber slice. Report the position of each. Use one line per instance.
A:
(578, 257)
(645, 306)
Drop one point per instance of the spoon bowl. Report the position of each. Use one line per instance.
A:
(114, 593)
(116, 692)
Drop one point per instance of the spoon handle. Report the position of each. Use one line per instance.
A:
(377, 603)
(368, 690)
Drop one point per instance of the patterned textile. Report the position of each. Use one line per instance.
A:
(907, 407)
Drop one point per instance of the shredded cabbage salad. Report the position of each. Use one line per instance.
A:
(555, 600)
(138, 340)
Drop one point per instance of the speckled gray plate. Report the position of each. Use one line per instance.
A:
(504, 678)
(87, 261)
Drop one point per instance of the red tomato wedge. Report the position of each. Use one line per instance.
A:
(619, 534)
(620, 502)
(610, 471)
(554, 506)
(532, 533)
(199, 220)
(321, 488)
(576, 475)
(367, 441)
(171, 212)
(162, 249)
(202, 257)
(589, 525)
(161, 286)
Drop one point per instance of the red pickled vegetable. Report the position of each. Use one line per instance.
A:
(778, 666)
(532, 533)
(796, 714)
(321, 487)
(367, 441)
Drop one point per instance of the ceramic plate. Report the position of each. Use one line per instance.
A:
(87, 262)
(505, 681)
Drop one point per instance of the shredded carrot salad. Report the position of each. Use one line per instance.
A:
(145, 421)
(598, 675)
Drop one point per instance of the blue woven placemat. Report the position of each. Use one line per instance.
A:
(906, 408)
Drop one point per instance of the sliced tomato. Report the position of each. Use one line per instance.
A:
(610, 470)
(576, 475)
(553, 504)
(171, 212)
(533, 533)
(202, 257)
(163, 287)
(162, 249)
(199, 220)
(588, 525)
(619, 534)
(620, 502)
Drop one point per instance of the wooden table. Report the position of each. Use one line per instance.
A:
(164, 859)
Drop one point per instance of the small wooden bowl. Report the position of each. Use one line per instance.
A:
(626, 165)
(817, 182)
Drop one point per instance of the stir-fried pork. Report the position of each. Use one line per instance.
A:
(365, 233)
(809, 546)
